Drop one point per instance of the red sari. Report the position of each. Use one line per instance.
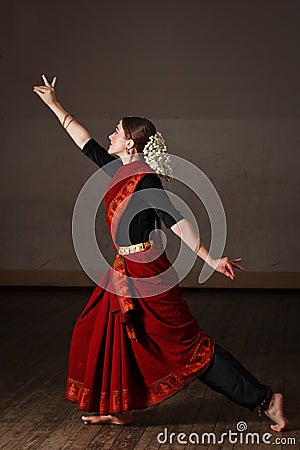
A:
(133, 351)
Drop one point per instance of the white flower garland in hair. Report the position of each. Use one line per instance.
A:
(155, 154)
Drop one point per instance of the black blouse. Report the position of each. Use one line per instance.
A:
(135, 228)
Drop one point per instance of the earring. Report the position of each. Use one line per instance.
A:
(128, 151)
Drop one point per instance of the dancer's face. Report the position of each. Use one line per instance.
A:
(118, 142)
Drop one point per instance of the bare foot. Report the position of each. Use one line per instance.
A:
(116, 419)
(275, 412)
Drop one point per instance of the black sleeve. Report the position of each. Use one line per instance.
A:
(101, 157)
(167, 212)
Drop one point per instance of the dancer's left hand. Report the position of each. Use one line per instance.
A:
(226, 265)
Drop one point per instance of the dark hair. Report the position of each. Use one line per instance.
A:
(139, 129)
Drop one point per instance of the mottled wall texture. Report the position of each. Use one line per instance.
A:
(219, 79)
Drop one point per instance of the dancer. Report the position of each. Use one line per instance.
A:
(133, 347)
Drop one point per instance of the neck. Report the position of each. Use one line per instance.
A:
(127, 159)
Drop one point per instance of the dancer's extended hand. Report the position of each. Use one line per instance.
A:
(226, 265)
(46, 92)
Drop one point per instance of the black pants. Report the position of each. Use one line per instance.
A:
(226, 375)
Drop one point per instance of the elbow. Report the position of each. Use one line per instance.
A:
(176, 228)
(84, 140)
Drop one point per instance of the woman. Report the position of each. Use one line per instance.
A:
(131, 348)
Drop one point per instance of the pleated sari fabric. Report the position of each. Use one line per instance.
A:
(136, 343)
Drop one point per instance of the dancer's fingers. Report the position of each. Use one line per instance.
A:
(53, 81)
(45, 88)
(229, 275)
(238, 267)
(230, 269)
(234, 261)
(228, 266)
(38, 88)
(41, 89)
(38, 93)
(45, 80)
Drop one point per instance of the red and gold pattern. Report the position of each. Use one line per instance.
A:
(114, 212)
(124, 400)
(124, 298)
(109, 372)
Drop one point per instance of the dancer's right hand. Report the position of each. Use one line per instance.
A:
(226, 265)
(46, 92)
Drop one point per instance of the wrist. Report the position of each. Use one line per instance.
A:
(53, 104)
(211, 262)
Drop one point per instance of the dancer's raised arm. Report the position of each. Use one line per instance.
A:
(78, 133)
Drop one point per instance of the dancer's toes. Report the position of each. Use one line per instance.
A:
(277, 428)
(94, 420)
(116, 419)
(275, 412)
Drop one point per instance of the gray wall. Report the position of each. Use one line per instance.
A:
(219, 79)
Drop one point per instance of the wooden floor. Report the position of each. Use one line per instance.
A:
(260, 327)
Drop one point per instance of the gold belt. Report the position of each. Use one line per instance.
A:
(134, 248)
